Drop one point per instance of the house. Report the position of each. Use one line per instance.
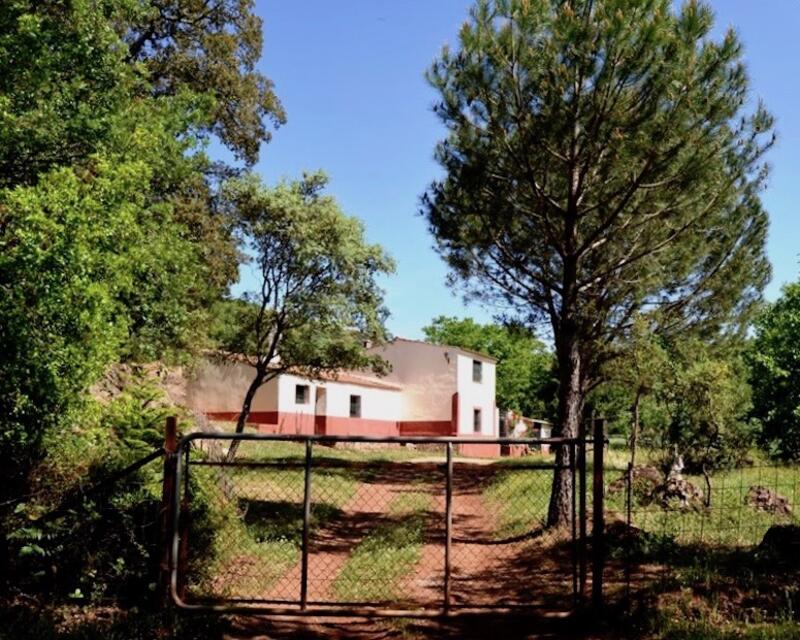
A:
(432, 390)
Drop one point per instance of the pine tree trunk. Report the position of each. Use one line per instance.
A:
(245, 414)
(570, 408)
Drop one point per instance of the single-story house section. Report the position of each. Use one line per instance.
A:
(431, 390)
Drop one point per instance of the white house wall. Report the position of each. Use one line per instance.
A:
(476, 395)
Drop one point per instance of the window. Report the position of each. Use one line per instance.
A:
(476, 420)
(301, 394)
(355, 406)
(477, 371)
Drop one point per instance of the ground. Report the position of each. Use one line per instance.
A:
(377, 533)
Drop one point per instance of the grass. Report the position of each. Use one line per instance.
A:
(257, 519)
(378, 563)
(519, 498)
(730, 520)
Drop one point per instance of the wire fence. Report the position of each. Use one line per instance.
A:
(671, 532)
(416, 527)
(730, 508)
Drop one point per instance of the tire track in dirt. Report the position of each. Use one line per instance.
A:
(486, 570)
(330, 545)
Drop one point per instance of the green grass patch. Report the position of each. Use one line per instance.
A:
(257, 517)
(378, 563)
(730, 520)
(519, 499)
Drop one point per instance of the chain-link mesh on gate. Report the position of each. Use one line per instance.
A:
(339, 524)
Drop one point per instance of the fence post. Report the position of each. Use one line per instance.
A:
(584, 561)
(166, 512)
(183, 549)
(306, 519)
(598, 517)
(448, 524)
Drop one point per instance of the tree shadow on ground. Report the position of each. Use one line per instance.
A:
(463, 626)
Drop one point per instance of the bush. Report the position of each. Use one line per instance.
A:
(107, 546)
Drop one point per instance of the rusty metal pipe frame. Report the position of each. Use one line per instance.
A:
(323, 439)
(334, 610)
(306, 519)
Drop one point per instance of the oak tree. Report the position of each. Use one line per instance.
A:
(317, 303)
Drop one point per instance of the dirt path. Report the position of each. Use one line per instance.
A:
(485, 569)
(331, 544)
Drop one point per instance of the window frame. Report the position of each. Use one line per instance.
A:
(477, 371)
(357, 405)
(306, 399)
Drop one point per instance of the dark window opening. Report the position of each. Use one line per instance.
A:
(355, 406)
(476, 420)
(302, 394)
(477, 371)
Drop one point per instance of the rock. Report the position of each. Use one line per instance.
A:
(677, 488)
(645, 480)
(781, 542)
(764, 499)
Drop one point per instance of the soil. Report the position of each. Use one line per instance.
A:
(486, 569)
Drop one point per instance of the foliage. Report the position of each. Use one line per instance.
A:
(112, 244)
(107, 544)
(708, 400)
(774, 372)
(208, 47)
(113, 247)
(317, 302)
(600, 163)
(687, 397)
(524, 364)
(62, 79)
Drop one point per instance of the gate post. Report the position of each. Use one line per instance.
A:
(166, 511)
(584, 561)
(306, 519)
(598, 517)
(448, 525)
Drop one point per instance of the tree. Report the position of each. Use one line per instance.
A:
(708, 399)
(60, 86)
(208, 47)
(639, 372)
(317, 304)
(524, 364)
(774, 371)
(600, 163)
(104, 216)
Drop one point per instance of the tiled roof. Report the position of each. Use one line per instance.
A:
(348, 377)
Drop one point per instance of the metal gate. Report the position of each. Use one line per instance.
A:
(329, 525)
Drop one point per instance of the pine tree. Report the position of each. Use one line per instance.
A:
(600, 163)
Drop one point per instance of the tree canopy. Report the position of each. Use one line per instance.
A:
(774, 363)
(113, 243)
(600, 163)
(317, 302)
(524, 364)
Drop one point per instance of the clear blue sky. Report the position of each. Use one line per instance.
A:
(350, 75)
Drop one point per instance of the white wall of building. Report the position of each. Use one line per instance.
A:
(376, 404)
(287, 384)
(476, 395)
